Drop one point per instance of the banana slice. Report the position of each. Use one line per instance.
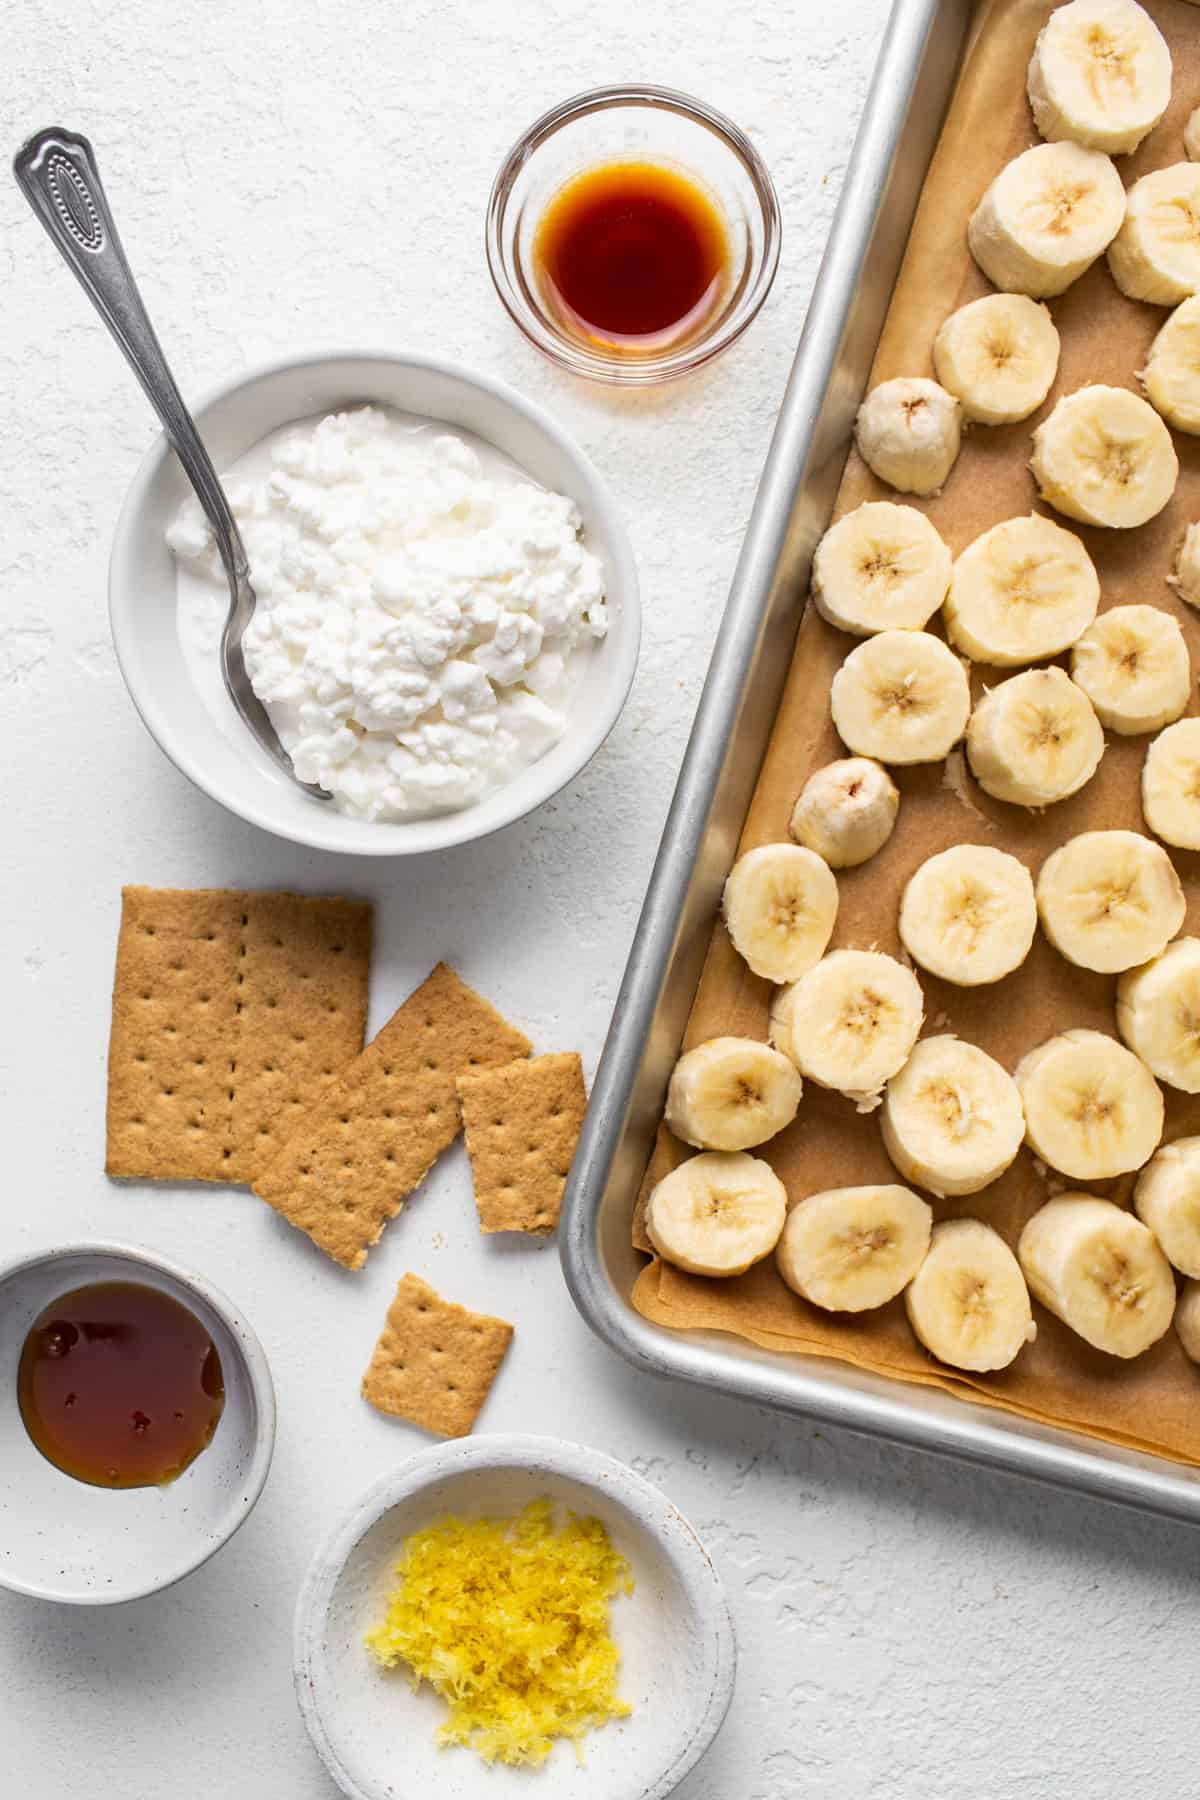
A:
(851, 1022)
(1167, 1199)
(1100, 75)
(952, 1119)
(1171, 785)
(1021, 591)
(1186, 576)
(1187, 1319)
(849, 1249)
(1132, 664)
(1046, 218)
(998, 356)
(969, 914)
(968, 1303)
(780, 904)
(908, 433)
(1171, 376)
(1109, 900)
(1156, 254)
(1099, 1270)
(1191, 135)
(1034, 739)
(1158, 1014)
(731, 1093)
(901, 697)
(716, 1214)
(1105, 457)
(846, 811)
(882, 567)
(1092, 1109)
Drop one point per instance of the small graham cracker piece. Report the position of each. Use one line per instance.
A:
(230, 1012)
(522, 1123)
(435, 1361)
(349, 1165)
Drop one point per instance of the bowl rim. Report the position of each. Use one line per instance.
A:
(456, 827)
(652, 369)
(260, 1382)
(593, 1469)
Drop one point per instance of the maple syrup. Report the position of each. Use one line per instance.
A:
(119, 1385)
(632, 252)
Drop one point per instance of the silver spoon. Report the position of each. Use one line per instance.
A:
(57, 173)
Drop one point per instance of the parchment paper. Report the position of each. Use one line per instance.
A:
(1152, 1402)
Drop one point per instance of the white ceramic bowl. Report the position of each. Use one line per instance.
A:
(222, 757)
(63, 1540)
(376, 1736)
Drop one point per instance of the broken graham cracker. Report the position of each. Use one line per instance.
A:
(231, 1012)
(375, 1134)
(522, 1122)
(434, 1361)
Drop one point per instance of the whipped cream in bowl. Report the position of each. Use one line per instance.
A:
(447, 616)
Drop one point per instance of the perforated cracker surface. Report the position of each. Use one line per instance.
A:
(522, 1123)
(435, 1361)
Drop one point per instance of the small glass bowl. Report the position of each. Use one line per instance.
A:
(633, 124)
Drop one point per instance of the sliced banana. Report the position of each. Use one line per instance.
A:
(1167, 1199)
(1092, 1109)
(780, 905)
(1105, 457)
(908, 433)
(1099, 1270)
(852, 1022)
(1187, 1319)
(1191, 135)
(1021, 591)
(998, 356)
(1185, 578)
(1046, 218)
(1132, 664)
(1171, 376)
(952, 1119)
(849, 1249)
(1109, 900)
(717, 1214)
(1100, 75)
(1156, 254)
(1034, 739)
(882, 567)
(731, 1093)
(1158, 1014)
(901, 697)
(846, 811)
(1171, 785)
(968, 914)
(968, 1303)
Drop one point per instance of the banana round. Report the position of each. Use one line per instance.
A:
(1092, 1109)
(901, 697)
(1167, 1199)
(780, 905)
(731, 1093)
(850, 1023)
(851, 1249)
(951, 1119)
(1158, 1014)
(1133, 665)
(1023, 590)
(846, 811)
(1109, 900)
(716, 1214)
(1171, 785)
(908, 433)
(998, 356)
(1187, 1319)
(1100, 75)
(1034, 739)
(968, 914)
(1099, 1270)
(1171, 376)
(968, 1302)
(1156, 254)
(1105, 457)
(1185, 578)
(882, 567)
(1046, 218)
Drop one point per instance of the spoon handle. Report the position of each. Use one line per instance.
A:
(56, 170)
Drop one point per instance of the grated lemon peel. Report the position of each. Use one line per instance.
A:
(508, 1620)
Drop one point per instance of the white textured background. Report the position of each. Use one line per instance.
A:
(286, 175)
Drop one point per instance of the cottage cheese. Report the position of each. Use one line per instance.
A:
(424, 610)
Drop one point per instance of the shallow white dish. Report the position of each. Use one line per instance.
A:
(226, 762)
(376, 1737)
(61, 1539)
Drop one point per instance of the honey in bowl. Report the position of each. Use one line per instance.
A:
(119, 1385)
(632, 253)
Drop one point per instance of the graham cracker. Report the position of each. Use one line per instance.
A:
(231, 1013)
(522, 1123)
(374, 1135)
(434, 1361)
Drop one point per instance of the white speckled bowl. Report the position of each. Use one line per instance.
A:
(220, 755)
(63, 1540)
(376, 1736)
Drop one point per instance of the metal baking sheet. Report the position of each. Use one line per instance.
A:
(913, 83)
